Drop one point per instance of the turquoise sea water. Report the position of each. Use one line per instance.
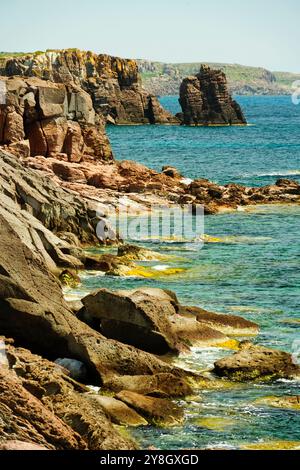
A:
(253, 271)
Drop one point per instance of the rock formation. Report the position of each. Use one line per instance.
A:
(205, 100)
(53, 120)
(113, 83)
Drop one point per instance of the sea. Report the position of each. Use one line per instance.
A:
(251, 269)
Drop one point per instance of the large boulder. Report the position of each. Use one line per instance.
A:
(257, 362)
(205, 100)
(149, 319)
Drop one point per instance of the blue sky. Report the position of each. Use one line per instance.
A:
(257, 32)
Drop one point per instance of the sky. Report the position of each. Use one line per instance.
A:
(262, 33)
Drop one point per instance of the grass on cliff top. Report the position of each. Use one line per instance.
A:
(234, 72)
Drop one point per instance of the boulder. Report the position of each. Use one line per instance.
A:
(257, 362)
(134, 317)
(76, 369)
(160, 411)
(149, 319)
(118, 412)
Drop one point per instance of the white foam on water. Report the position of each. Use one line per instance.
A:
(161, 267)
(272, 173)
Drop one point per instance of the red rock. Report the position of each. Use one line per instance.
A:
(66, 171)
(74, 143)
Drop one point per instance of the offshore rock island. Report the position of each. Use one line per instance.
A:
(84, 367)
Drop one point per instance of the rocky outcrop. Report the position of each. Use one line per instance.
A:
(205, 100)
(51, 119)
(257, 362)
(215, 197)
(113, 83)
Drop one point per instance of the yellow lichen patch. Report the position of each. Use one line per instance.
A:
(272, 445)
(204, 383)
(209, 239)
(214, 423)
(289, 403)
(142, 271)
(230, 344)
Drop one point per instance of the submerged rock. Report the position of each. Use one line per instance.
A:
(257, 362)
(205, 100)
(284, 402)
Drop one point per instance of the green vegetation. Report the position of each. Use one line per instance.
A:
(162, 79)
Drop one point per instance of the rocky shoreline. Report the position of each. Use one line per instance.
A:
(108, 361)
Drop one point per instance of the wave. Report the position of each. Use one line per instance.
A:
(273, 173)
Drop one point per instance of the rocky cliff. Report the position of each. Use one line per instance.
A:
(205, 100)
(113, 83)
(39, 117)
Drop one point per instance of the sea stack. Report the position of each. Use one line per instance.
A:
(205, 100)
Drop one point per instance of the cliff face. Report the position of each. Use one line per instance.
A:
(52, 120)
(205, 100)
(112, 83)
